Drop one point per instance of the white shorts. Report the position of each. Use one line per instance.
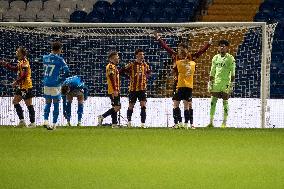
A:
(52, 92)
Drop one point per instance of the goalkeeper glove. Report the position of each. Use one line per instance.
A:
(230, 87)
(210, 42)
(210, 86)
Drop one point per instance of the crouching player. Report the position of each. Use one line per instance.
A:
(73, 87)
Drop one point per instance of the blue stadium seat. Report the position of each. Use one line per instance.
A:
(147, 17)
(78, 16)
(130, 17)
(266, 6)
(94, 19)
(262, 17)
(116, 10)
(101, 7)
(123, 1)
(137, 10)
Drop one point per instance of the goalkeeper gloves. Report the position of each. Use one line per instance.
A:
(210, 86)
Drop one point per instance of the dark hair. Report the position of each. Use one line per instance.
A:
(64, 89)
(183, 45)
(223, 42)
(111, 54)
(23, 51)
(56, 46)
(138, 51)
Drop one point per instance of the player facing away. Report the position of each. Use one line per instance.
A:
(222, 76)
(185, 69)
(23, 86)
(74, 87)
(176, 56)
(53, 64)
(113, 82)
(138, 72)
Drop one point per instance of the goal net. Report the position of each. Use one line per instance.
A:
(86, 47)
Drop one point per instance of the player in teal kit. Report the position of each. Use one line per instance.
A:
(73, 87)
(53, 64)
(222, 76)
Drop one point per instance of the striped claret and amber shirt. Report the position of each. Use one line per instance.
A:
(138, 73)
(112, 75)
(24, 74)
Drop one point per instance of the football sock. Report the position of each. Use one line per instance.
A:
(114, 117)
(176, 112)
(191, 116)
(179, 115)
(143, 114)
(226, 110)
(129, 114)
(46, 110)
(186, 116)
(55, 111)
(31, 113)
(109, 112)
(19, 111)
(80, 111)
(213, 108)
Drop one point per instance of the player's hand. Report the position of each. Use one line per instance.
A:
(157, 36)
(210, 42)
(230, 87)
(115, 93)
(210, 86)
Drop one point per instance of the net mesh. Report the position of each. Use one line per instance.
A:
(85, 50)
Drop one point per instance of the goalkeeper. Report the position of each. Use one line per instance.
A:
(73, 87)
(222, 76)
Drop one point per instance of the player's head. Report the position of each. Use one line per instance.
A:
(182, 50)
(223, 46)
(21, 52)
(113, 57)
(56, 47)
(139, 54)
(65, 89)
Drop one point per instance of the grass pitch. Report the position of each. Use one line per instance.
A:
(83, 158)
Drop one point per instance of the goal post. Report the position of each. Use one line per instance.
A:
(86, 46)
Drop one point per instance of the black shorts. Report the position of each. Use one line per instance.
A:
(133, 95)
(183, 93)
(25, 93)
(115, 100)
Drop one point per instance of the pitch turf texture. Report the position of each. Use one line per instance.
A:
(83, 158)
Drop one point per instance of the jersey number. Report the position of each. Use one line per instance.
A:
(188, 70)
(48, 70)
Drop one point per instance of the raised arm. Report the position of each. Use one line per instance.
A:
(202, 50)
(8, 66)
(164, 45)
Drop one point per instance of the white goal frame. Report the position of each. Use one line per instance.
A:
(264, 94)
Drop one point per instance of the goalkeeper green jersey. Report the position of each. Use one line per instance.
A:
(223, 68)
